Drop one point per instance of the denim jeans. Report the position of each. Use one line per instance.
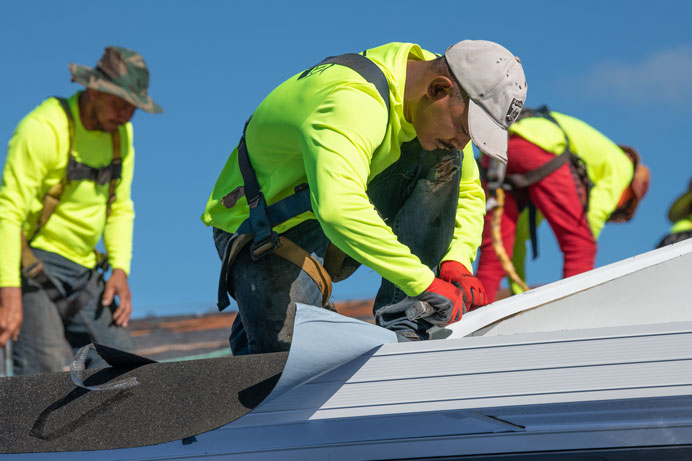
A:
(417, 197)
(42, 340)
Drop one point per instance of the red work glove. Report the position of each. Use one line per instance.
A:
(457, 274)
(446, 299)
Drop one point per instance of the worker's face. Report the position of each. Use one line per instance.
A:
(441, 119)
(111, 111)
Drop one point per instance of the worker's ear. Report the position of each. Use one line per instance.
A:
(439, 87)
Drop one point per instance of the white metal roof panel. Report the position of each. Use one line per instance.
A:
(649, 288)
(469, 373)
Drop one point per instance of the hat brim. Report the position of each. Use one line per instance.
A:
(486, 134)
(92, 78)
(681, 208)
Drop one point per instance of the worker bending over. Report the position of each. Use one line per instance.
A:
(564, 170)
(358, 160)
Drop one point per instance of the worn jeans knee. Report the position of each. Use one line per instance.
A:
(44, 339)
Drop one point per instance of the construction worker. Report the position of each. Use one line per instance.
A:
(564, 170)
(66, 183)
(359, 159)
(680, 214)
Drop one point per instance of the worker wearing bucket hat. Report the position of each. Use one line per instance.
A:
(66, 183)
(120, 72)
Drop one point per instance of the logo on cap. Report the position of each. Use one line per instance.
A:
(513, 111)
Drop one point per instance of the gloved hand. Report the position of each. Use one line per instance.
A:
(457, 274)
(446, 299)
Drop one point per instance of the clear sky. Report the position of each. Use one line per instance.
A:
(624, 67)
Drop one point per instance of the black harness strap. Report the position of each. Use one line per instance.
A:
(521, 181)
(77, 171)
(265, 239)
(364, 66)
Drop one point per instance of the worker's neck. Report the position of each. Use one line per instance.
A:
(415, 86)
(87, 111)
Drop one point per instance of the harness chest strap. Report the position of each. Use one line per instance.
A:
(521, 181)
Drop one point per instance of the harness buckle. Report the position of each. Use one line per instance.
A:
(103, 175)
(33, 270)
(254, 201)
(264, 247)
(102, 264)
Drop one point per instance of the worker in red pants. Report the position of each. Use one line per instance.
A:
(561, 169)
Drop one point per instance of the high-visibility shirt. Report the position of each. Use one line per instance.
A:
(608, 167)
(331, 130)
(37, 159)
(682, 225)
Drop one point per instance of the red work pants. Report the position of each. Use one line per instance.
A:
(556, 196)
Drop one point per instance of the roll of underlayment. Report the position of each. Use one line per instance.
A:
(138, 401)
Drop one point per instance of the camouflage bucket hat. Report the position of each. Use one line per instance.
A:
(121, 72)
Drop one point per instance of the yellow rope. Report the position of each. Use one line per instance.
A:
(496, 234)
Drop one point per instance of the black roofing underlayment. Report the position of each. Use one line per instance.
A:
(173, 401)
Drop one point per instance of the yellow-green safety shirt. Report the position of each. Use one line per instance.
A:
(607, 165)
(37, 160)
(682, 225)
(331, 130)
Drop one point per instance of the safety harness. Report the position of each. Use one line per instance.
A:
(32, 267)
(499, 183)
(258, 230)
(517, 184)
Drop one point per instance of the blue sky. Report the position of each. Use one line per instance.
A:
(624, 67)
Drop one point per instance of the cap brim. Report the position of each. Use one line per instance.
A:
(488, 136)
(682, 207)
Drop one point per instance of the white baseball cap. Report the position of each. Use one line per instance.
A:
(496, 85)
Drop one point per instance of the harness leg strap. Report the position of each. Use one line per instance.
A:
(286, 249)
(293, 253)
